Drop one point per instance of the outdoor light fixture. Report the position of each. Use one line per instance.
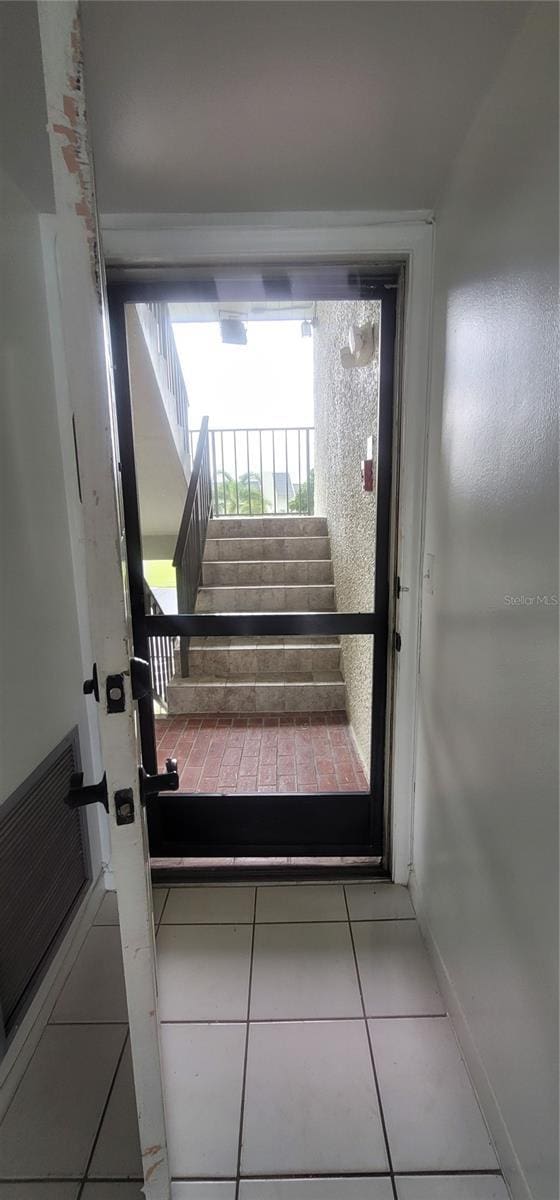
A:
(362, 345)
(233, 331)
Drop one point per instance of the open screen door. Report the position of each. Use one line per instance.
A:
(84, 324)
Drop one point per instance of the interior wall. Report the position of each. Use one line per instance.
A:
(41, 649)
(41, 668)
(486, 809)
(345, 404)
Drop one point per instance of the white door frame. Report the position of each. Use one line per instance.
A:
(84, 323)
(154, 246)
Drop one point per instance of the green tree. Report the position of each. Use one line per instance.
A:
(304, 499)
(246, 498)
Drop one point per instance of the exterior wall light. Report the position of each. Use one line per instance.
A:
(361, 348)
(233, 331)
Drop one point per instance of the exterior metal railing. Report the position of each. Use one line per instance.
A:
(260, 472)
(156, 322)
(161, 649)
(189, 550)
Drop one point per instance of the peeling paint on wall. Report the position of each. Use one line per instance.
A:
(150, 1151)
(72, 138)
(152, 1170)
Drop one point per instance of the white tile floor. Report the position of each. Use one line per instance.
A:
(306, 1051)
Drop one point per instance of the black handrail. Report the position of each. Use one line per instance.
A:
(189, 550)
(161, 650)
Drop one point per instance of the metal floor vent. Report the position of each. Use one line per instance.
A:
(44, 865)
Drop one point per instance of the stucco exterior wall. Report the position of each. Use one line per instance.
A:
(345, 416)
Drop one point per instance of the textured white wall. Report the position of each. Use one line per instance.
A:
(345, 416)
(486, 835)
(41, 660)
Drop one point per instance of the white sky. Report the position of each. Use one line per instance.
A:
(268, 382)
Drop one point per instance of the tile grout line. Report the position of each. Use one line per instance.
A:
(246, 1053)
(102, 1118)
(302, 921)
(484, 1174)
(76, 1024)
(303, 1020)
(372, 1059)
(478, 1172)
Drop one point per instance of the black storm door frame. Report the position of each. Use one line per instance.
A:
(187, 824)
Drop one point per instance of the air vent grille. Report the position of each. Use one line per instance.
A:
(43, 868)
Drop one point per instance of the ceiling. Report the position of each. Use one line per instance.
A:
(300, 105)
(214, 310)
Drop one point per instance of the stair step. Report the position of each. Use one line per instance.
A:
(268, 526)
(291, 548)
(251, 573)
(297, 693)
(267, 598)
(259, 639)
(263, 564)
(260, 660)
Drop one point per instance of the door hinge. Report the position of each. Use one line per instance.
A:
(91, 686)
(400, 588)
(97, 793)
(93, 793)
(397, 641)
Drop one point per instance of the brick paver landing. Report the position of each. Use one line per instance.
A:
(298, 752)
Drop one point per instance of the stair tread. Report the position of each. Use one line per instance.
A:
(269, 640)
(263, 587)
(224, 562)
(247, 519)
(301, 677)
(241, 587)
(271, 537)
(268, 526)
(270, 644)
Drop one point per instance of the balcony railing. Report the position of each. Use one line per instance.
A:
(158, 331)
(260, 472)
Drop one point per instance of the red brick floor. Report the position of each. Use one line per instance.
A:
(292, 752)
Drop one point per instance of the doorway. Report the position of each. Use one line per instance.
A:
(270, 472)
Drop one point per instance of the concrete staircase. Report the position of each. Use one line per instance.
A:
(263, 564)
